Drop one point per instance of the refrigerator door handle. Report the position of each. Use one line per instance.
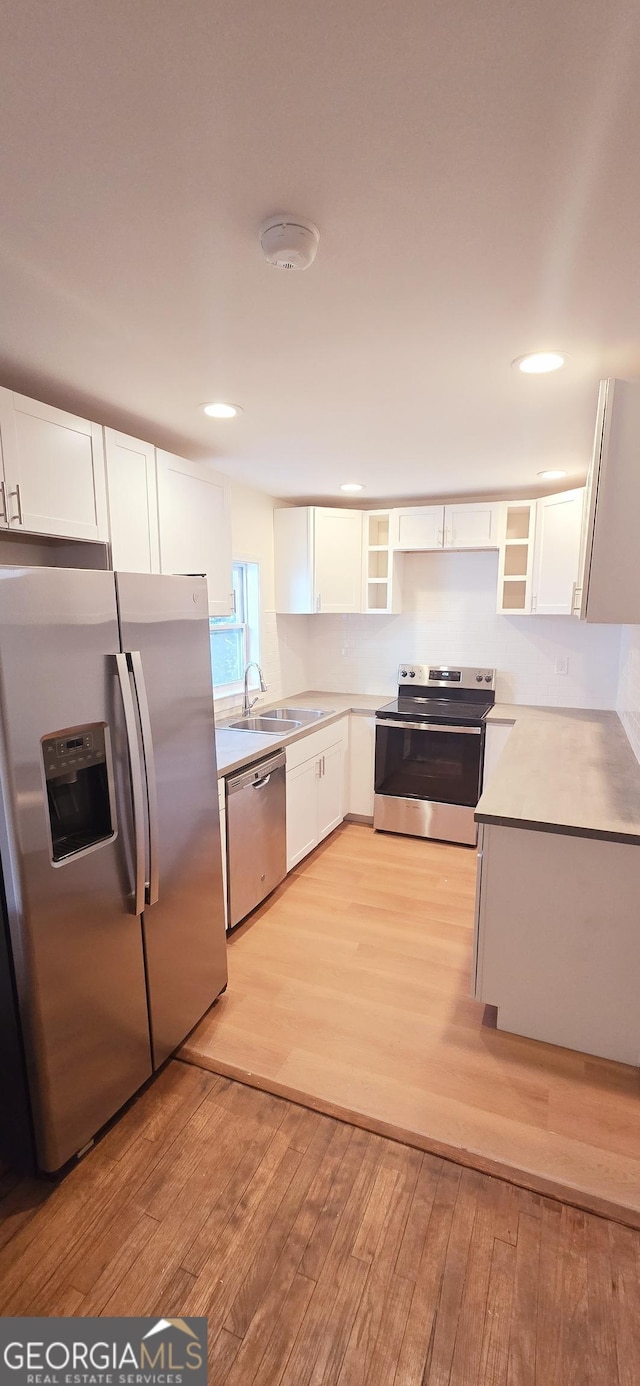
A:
(137, 790)
(153, 884)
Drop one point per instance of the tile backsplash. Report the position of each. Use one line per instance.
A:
(628, 704)
(450, 617)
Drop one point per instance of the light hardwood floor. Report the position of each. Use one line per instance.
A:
(322, 1253)
(350, 991)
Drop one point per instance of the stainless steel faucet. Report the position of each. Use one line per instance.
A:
(249, 703)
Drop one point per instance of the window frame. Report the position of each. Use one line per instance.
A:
(246, 593)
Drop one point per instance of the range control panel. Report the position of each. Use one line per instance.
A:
(445, 676)
(67, 752)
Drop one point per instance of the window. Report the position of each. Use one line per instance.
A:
(235, 639)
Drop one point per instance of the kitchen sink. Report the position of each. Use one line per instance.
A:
(300, 714)
(277, 726)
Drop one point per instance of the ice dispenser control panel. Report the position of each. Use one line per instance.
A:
(71, 752)
(79, 797)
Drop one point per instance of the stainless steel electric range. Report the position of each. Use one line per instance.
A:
(430, 752)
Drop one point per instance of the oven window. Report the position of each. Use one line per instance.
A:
(439, 765)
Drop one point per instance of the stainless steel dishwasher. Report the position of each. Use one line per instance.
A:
(256, 834)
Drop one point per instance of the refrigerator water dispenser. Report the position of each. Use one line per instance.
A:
(79, 792)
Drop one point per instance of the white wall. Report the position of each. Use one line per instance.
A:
(450, 617)
(283, 639)
(629, 685)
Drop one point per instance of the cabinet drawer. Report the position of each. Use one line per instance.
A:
(316, 742)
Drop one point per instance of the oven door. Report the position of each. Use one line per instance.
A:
(427, 779)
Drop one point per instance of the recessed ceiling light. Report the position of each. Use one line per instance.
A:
(540, 362)
(222, 411)
(352, 486)
(552, 476)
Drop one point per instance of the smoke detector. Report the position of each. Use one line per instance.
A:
(289, 242)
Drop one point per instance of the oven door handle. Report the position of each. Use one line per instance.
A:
(429, 726)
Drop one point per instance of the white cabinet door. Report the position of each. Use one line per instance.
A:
(420, 527)
(133, 503)
(302, 810)
(195, 525)
(331, 790)
(53, 470)
(338, 537)
(362, 735)
(556, 553)
(471, 526)
(609, 577)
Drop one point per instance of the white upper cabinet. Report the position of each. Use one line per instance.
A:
(468, 525)
(318, 559)
(195, 525)
(54, 480)
(419, 527)
(609, 576)
(471, 526)
(558, 525)
(133, 503)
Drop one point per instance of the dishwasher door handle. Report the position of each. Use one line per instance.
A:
(259, 784)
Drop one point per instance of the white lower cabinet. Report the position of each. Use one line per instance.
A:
(315, 789)
(556, 949)
(331, 790)
(362, 740)
(302, 811)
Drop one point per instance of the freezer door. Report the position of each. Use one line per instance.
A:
(164, 629)
(67, 855)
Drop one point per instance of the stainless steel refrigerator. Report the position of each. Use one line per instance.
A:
(113, 944)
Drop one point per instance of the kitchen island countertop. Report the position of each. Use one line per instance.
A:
(564, 770)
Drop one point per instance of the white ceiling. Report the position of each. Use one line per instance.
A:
(473, 170)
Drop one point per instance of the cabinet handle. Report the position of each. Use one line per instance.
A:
(534, 603)
(576, 601)
(441, 538)
(3, 495)
(16, 493)
(318, 603)
(233, 603)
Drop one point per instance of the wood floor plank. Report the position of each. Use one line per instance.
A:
(466, 1365)
(286, 1325)
(575, 1341)
(601, 1331)
(412, 1245)
(368, 1323)
(257, 1279)
(548, 1330)
(285, 1271)
(521, 1369)
(381, 1369)
(349, 1290)
(454, 1280)
(494, 1358)
(625, 1275)
(421, 1321)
